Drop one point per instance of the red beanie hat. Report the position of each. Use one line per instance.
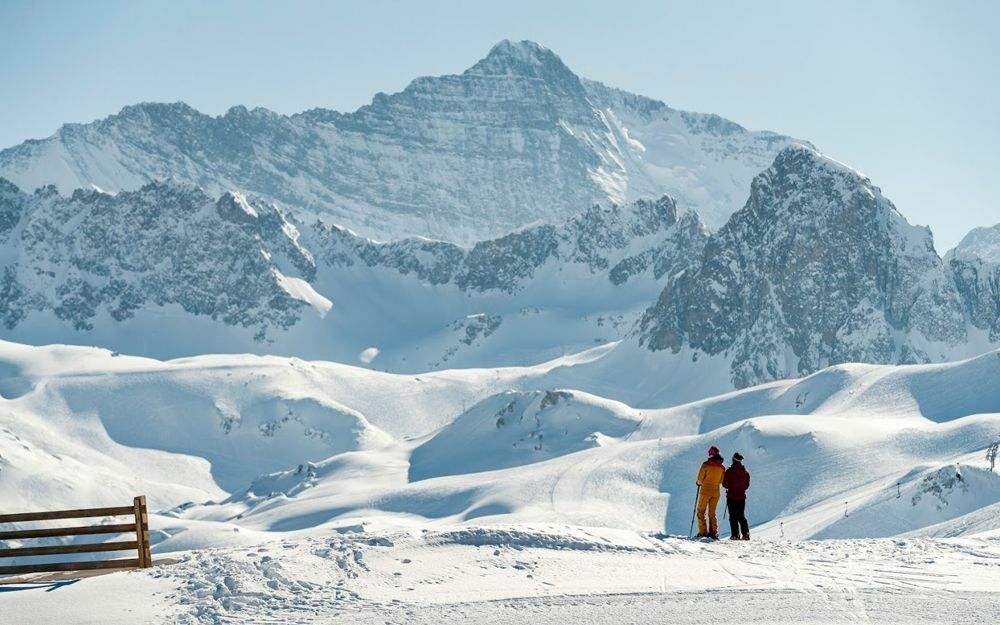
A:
(713, 450)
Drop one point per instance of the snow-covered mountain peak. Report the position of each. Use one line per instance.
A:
(142, 114)
(800, 174)
(524, 51)
(982, 243)
(516, 139)
(135, 111)
(817, 268)
(811, 185)
(804, 156)
(94, 260)
(242, 113)
(975, 263)
(523, 58)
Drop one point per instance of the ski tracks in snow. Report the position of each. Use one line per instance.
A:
(575, 574)
(274, 583)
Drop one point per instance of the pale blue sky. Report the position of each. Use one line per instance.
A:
(906, 91)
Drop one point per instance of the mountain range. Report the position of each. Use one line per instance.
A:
(515, 139)
(167, 233)
(169, 271)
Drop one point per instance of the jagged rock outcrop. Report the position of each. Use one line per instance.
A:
(619, 242)
(817, 268)
(98, 259)
(975, 265)
(11, 207)
(94, 255)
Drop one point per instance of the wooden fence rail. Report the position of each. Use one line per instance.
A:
(139, 527)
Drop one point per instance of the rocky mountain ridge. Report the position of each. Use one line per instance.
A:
(982, 243)
(818, 268)
(168, 254)
(601, 239)
(516, 139)
(975, 263)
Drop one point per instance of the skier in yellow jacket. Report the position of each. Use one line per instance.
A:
(709, 479)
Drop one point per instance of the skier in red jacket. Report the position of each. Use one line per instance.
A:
(736, 482)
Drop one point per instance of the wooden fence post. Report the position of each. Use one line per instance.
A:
(142, 532)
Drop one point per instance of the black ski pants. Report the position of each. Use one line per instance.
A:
(738, 525)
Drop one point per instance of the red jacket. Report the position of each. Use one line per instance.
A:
(736, 482)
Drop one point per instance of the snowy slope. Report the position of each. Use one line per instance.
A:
(515, 139)
(290, 491)
(309, 446)
(516, 428)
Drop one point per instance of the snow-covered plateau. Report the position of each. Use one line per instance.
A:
(298, 491)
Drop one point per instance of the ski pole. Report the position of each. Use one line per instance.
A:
(695, 511)
(725, 510)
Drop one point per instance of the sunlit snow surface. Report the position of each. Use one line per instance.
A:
(539, 574)
(322, 492)
(285, 444)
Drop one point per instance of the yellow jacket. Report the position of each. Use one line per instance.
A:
(711, 474)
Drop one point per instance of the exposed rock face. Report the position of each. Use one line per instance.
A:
(975, 264)
(621, 242)
(817, 268)
(979, 284)
(516, 139)
(94, 253)
(11, 207)
(240, 261)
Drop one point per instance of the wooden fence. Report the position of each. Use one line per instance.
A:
(139, 527)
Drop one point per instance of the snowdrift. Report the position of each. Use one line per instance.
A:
(514, 428)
